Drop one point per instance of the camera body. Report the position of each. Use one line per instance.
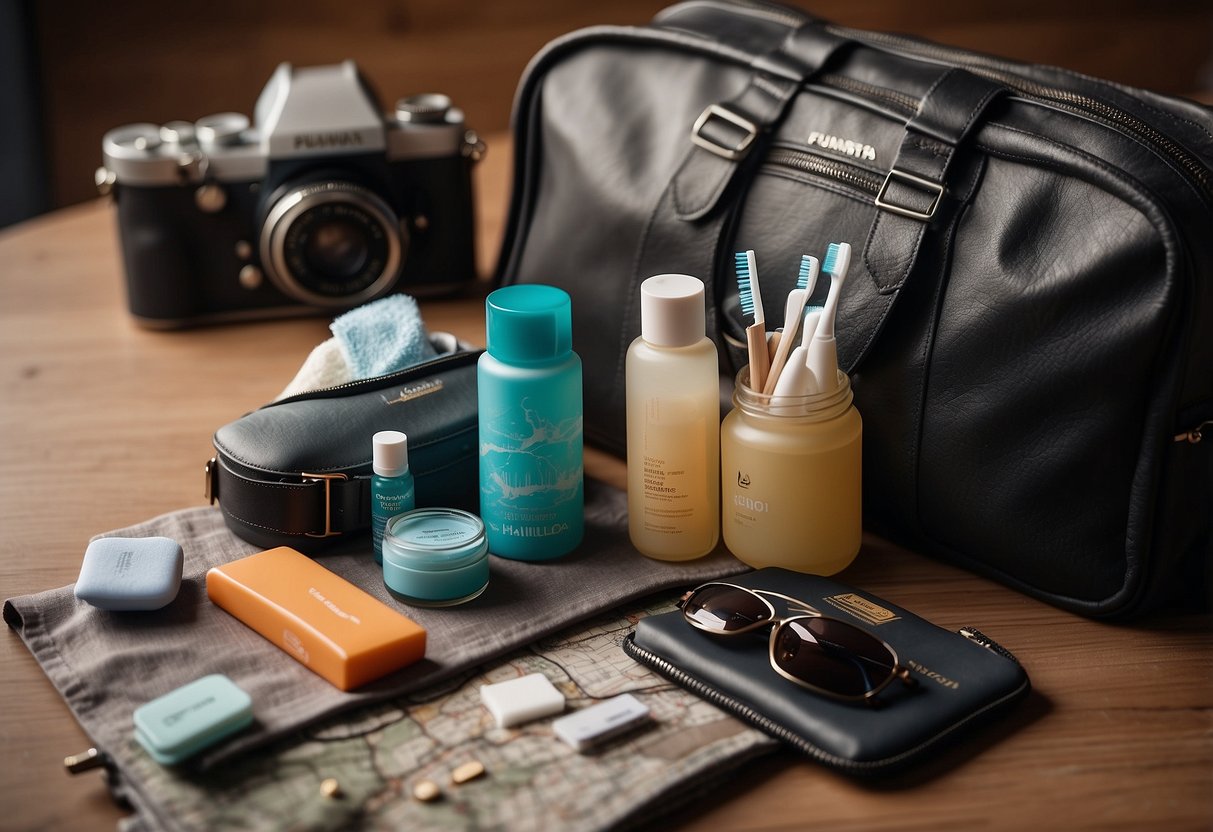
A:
(323, 204)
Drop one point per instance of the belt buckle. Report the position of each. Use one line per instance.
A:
(328, 501)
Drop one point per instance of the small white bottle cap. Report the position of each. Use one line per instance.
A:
(671, 310)
(390, 453)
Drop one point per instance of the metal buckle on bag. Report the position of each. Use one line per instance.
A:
(328, 501)
(211, 491)
(914, 181)
(724, 113)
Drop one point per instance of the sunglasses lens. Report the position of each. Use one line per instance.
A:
(725, 608)
(832, 656)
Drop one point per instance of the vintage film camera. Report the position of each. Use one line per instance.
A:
(323, 204)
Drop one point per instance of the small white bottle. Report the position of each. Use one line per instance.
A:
(673, 424)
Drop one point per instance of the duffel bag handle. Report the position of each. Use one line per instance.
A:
(726, 132)
(917, 184)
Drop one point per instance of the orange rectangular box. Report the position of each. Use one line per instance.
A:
(322, 620)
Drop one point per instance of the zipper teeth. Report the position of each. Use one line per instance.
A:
(721, 700)
(814, 164)
(744, 711)
(899, 101)
(433, 365)
(1084, 104)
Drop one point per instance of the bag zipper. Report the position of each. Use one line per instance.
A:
(904, 104)
(1079, 103)
(801, 160)
(1194, 436)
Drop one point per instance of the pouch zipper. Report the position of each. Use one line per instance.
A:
(774, 729)
(455, 359)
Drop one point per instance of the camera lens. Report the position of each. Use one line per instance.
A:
(338, 248)
(332, 244)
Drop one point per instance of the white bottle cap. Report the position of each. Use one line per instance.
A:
(390, 453)
(671, 310)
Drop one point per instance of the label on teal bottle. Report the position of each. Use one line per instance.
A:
(389, 496)
(531, 492)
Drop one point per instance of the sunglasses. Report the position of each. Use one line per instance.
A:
(821, 654)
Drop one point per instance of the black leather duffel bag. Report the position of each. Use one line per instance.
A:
(1029, 318)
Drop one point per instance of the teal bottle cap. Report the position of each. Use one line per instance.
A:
(528, 323)
(186, 720)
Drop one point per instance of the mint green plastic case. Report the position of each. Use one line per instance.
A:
(181, 723)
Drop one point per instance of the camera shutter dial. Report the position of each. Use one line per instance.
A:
(427, 108)
(221, 129)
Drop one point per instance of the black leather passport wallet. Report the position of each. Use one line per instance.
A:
(963, 678)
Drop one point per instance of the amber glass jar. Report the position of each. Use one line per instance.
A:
(790, 478)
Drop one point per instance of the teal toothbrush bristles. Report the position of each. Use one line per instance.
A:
(747, 285)
(806, 268)
(744, 294)
(830, 266)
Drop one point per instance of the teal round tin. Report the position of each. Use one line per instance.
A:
(435, 557)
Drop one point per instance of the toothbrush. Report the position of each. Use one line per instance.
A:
(797, 378)
(823, 351)
(751, 304)
(806, 281)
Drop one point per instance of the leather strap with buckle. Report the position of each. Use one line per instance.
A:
(914, 189)
(315, 505)
(726, 132)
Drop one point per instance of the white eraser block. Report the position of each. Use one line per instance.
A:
(596, 723)
(521, 700)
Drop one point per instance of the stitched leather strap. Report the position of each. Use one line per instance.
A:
(293, 508)
(917, 185)
(727, 132)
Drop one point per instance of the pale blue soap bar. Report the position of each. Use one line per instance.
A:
(130, 573)
(185, 721)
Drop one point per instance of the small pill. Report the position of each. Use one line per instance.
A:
(467, 772)
(330, 788)
(426, 791)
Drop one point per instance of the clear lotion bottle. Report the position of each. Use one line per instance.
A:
(673, 424)
(392, 490)
(528, 386)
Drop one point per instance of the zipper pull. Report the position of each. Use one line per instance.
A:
(1193, 436)
(93, 758)
(978, 637)
(85, 761)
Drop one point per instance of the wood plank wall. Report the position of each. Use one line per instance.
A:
(105, 64)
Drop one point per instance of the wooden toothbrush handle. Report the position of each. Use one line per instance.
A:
(781, 357)
(760, 361)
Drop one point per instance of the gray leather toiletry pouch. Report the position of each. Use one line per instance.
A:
(962, 678)
(297, 472)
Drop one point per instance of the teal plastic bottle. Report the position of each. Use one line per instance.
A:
(392, 489)
(529, 391)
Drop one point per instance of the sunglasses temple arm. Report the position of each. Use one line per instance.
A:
(807, 607)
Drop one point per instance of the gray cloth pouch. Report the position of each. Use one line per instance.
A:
(106, 664)
(297, 471)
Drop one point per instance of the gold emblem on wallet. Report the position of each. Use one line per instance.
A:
(861, 608)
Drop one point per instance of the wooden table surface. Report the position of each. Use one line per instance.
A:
(105, 424)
